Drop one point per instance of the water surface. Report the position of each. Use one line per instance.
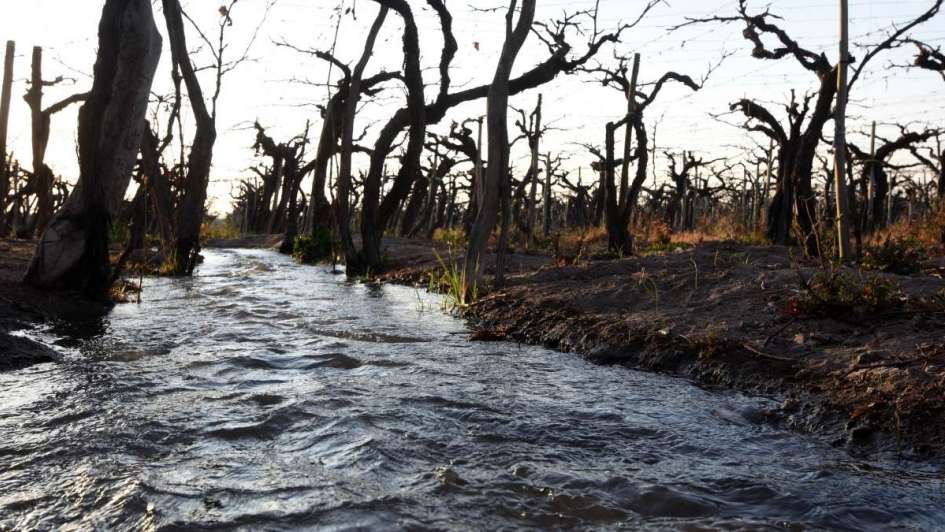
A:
(264, 395)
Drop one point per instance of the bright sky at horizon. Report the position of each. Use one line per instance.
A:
(281, 87)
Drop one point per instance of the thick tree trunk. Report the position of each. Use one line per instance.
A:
(190, 211)
(73, 252)
(618, 212)
(292, 211)
(497, 130)
(280, 200)
(639, 178)
(805, 200)
(780, 214)
(342, 202)
(375, 215)
(618, 237)
(319, 208)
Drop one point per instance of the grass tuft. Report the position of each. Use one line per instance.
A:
(451, 280)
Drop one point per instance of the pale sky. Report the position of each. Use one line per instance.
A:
(268, 87)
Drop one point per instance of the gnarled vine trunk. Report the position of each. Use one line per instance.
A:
(194, 194)
(497, 103)
(73, 251)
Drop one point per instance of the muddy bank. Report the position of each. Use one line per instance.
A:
(720, 314)
(22, 307)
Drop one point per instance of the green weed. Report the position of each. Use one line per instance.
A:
(902, 257)
(451, 280)
(311, 249)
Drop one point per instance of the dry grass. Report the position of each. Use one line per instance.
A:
(927, 231)
(219, 229)
(651, 233)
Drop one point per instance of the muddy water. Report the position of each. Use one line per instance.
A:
(265, 395)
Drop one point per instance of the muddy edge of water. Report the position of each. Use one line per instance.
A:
(715, 314)
(844, 393)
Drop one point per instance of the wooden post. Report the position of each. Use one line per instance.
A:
(34, 98)
(840, 142)
(770, 164)
(628, 134)
(871, 184)
(4, 122)
(546, 198)
(479, 188)
(889, 201)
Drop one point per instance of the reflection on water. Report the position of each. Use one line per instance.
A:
(266, 395)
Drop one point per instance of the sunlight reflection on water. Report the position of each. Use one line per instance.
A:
(283, 396)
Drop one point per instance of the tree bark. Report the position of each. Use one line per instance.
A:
(375, 215)
(194, 194)
(42, 174)
(546, 199)
(533, 171)
(73, 252)
(497, 131)
(618, 238)
(342, 202)
(159, 189)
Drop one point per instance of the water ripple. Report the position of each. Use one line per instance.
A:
(265, 395)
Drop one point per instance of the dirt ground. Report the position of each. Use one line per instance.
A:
(720, 314)
(21, 307)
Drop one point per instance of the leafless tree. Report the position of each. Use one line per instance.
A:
(797, 142)
(874, 166)
(342, 216)
(377, 212)
(190, 211)
(42, 182)
(619, 204)
(496, 183)
(73, 251)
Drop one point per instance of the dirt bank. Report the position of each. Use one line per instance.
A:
(721, 314)
(22, 307)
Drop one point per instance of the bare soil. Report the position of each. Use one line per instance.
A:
(22, 307)
(719, 314)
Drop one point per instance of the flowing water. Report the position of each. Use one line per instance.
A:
(264, 395)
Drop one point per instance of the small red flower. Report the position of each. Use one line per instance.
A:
(793, 307)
